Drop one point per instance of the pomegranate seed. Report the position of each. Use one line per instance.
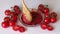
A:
(5, 24)
(47, 20)
(13, 13)
(53, 14)
(46, 10)
(41, 7)
(6, 19)
(22, 29)
(43, 26)
(17, 9)
(11, 23)
(53, 20)
(50, 28)
(16, 27)
(46, 15)
(7, 12)
(18, 12)
(14, 18)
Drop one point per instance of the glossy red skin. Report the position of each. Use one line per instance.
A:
(53, 20)
(16, 27)
(41, 7)
(14, 18)
(22, 29)
(47, 20)
(18, 12)
(50, 28)
(36, 19)
(47, 15)
(53, 14)
(46, 10)
(12, 23)
(5, 24)
(7, 12)
(12, 13)
(6, 19)
(43, 26)
(17, 9)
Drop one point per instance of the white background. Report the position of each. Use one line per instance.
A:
(54, 5)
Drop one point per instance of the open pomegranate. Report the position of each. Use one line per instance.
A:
(29, 17)
(36, 19)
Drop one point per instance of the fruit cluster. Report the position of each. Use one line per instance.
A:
(11, 19)
(44, 21)
(47, 17)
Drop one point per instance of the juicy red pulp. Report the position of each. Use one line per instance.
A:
(36, 19)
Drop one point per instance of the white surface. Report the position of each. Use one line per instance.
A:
(54, 5)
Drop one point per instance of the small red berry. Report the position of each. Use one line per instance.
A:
(47, 20)
(43, 26)
(46, 15)
(50, 28)
(11, 23)
(22, 29)
(46, 10)
(6, 19)
(53, 20)
(4, 24)
(53, 14)
(41, 7)
(7, 12)
(16, 7)
(17, 12)
(14, 18)
(12, 13)
(16, 27)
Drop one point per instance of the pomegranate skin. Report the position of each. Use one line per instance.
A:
(36, 19)
(24, 20)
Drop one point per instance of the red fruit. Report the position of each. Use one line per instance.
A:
(22, 29)
(7, 12)
(6, 19)
(46, 10)
(53, 20)
(12, 13)
(11, 23)
(36, 18)
(16, 27)
(53, 14)
(46, 15)
(5, 24)
(14, 18)
(50, 28)
(41, 7)
(47, 20)
(24, 20)
(17, 9)
(43, 26)
(17, 12)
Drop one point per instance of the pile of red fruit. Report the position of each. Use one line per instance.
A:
(37, 18)
(44, 21)
(11, 19)
(47, 18)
